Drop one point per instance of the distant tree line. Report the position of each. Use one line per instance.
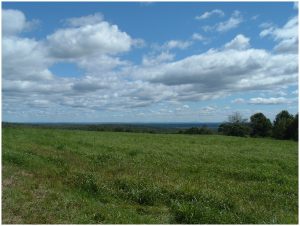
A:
(284, 127)
(196, 130)
(128, 128)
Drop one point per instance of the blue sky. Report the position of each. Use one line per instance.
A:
(148, 62)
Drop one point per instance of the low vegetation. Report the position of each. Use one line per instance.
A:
(73, 176)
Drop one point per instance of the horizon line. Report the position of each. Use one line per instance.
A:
(107, 122)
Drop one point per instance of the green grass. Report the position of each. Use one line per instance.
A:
(61, 176)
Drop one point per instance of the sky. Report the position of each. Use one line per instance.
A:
(148, 61)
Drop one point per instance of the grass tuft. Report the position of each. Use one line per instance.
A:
(85, 182)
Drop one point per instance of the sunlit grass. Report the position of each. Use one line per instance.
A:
(62, 176)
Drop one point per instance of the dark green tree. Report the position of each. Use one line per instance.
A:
(292, 131)
(281, 126)
(260, 125)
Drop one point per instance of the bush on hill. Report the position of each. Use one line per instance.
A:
(236, 126)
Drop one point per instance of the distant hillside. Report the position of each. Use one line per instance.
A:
(120, 127)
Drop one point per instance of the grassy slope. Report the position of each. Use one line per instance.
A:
(61, 176)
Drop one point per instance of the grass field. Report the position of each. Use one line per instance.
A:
(64, 176)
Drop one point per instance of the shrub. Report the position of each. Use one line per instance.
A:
(234, 129)
(236, 126)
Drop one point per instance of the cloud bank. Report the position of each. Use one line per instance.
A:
(113, 83)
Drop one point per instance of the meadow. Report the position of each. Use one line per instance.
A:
(88, 177)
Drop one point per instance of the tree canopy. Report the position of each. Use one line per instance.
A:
(260, 125)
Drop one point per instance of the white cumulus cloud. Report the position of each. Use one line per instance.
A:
(177, 44)
(84, 20)
(224, 26)
(214, 70)
(157, 59)
(267, 101)
(24, 59)
(286, 36)
(101, 38)
(238, 101)
(14, 22)
(198, 37)
(231, 23)
(207, 15)
(239, 42)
